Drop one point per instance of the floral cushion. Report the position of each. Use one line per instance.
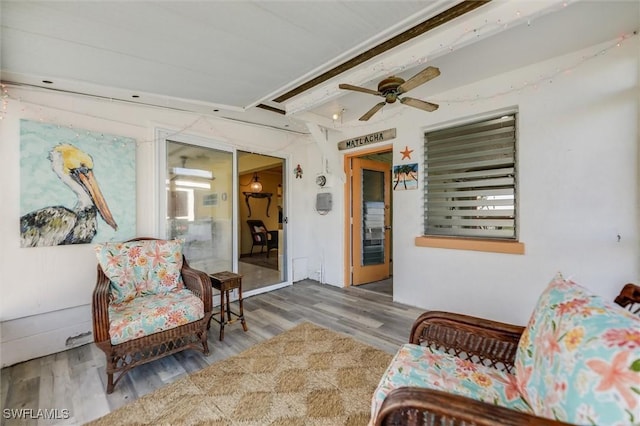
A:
(150, 314)
(579, 358)
(137, 268)
(258, 233)
(419, 366)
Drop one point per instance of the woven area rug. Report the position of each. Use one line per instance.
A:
(305, 376)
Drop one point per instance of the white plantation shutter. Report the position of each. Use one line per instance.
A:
(470, 180)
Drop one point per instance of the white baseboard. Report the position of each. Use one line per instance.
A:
(35, 336)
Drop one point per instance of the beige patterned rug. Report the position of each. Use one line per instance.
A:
(305, 376)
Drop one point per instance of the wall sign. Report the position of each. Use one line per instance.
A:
(384, 135)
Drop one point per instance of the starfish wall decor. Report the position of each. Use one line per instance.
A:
(406, 153)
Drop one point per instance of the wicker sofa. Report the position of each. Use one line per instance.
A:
(576, 362)
(147, 303)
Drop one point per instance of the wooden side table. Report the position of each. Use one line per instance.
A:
(224, 282)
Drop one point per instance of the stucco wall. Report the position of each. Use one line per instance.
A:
(577, 191)
(577, 186)
(46, 292)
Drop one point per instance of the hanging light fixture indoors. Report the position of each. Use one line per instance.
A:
(255, 185)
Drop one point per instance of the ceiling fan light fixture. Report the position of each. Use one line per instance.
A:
(391, 87)
(338, 115)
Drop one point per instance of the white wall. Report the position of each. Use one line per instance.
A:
(46, 292)
(578, 187)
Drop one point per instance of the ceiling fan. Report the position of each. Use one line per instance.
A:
(391, 87)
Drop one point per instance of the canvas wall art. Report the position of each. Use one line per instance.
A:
(76, 186)
(405, 176)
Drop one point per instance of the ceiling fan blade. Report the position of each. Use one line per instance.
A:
(417, 103)
(359, 89)
(418, 79)
(372, 111)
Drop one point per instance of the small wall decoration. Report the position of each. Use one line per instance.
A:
(405, 177)
(210, 199)
(298, 172)
(76, 186)
(406, 153)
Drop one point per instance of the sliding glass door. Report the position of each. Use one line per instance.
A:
(261, 221)
(228, 206)
(199, 187)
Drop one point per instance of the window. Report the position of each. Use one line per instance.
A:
(470, 180)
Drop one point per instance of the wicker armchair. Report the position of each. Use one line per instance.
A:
(262, 237)
(482, 341)
(629, 298)
(124, 356)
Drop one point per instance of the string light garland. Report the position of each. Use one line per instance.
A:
(486, 28)
(529, 84)
(544, 79)
(476, 32)
(4, 95)
(201, 123)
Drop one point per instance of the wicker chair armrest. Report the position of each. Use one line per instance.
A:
(199, 283)
(100, 309)
(420, 406)
(629, 297)
(481, 340)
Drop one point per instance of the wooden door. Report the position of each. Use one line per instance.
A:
(371, 220)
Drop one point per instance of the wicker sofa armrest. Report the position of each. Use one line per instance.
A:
(100, 309)
(199, 283)
(480, 340)
(420, 406)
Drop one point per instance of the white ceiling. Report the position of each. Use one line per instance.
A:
(230, 56)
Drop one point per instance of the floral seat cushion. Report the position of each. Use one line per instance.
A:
(579, 358)
(419, 366)
(150, 314)
(137, 268)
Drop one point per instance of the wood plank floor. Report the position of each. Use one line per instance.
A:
(74, 380)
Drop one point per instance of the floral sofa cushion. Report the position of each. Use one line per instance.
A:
(150, 314)
(420, 366)
(579, 358)
(137, 268)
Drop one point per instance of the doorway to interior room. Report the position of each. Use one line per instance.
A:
(209, 200)
(369, 213)
(261, 221)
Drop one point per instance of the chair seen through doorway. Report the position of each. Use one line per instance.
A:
(262, 237)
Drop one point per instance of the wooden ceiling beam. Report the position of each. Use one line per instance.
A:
(419, 29)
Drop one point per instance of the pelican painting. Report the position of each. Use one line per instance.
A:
(60, 225)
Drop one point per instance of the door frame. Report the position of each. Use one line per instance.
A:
(348, 199)
(286, 242)
(162, 134)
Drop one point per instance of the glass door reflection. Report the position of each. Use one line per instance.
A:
(199, 204)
